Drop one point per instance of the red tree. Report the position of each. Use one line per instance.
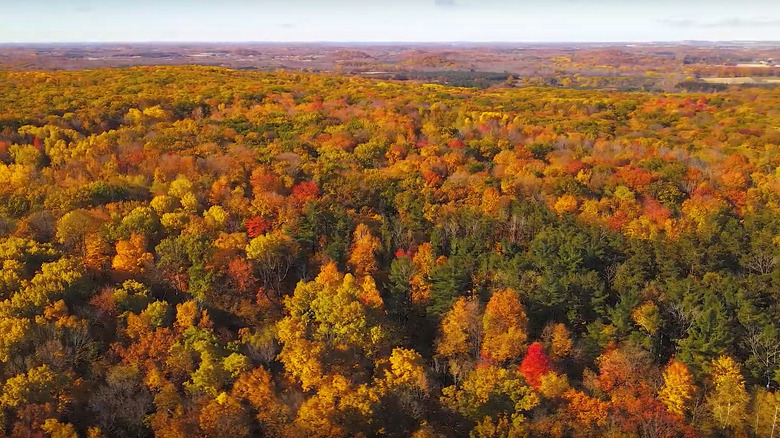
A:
(257, 226)
(401, 253)
(240, 274)
(4, 150)
(535, 364)
(306, 190)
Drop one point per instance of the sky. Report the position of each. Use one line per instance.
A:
(40, 21)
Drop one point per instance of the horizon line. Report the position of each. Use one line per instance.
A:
(384, 42)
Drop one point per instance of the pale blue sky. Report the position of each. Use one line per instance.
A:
(390, 20)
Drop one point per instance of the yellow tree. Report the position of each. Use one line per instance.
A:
(426, 431)
(329, 329)
(73, 227)
(424, 259)
(566, 204)
(766, 411)
(729, 398)
(678, 387)
(647, 317)
(364, 247)
(96, 253)
(13, 334)
(186, 314)
(553, 385)
(589, 412)
(273, 254)
(405, 377)
(224, 417)
(55, 429)
(339, 408)
(492, 393)
(504, 324)
(558, 341)
(369, 295)
(131, 256)
(39, 385)
(318, 415)
(257, 388)
(406, 369)
(423, 262)
(460, 336)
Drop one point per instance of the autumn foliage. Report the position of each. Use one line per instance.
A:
(535, 364)
(203, 252)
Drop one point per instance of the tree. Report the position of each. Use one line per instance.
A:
(449, 281)
(96, 252)
(535, 365)
(763, 342)
(627, 375)
(186, 315)
(420, 283)
(708, 336)
(400, 290)
(141, 220)
(557, 341)
(13, 333)
(257, 226)
(728, 399)
(647, 317)
(553, 385)
(120, 405)
(363, 253)
(210, 377)
(328, 329)
(461, 336)
(241, 276)
(273, 255)
(258, 389)
(131, 256)
(766, 413)
(678, 388)
(305, 191)
(566, 204)
(504, 324)
(224, 417)
(319, 415)
(55, 429)
(73, 228)
(406, 370)
(491, 392)
(37, 386)
(216, 217)
(173, 262)
(588, 411)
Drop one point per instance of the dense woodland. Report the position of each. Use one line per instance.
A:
(202, 252)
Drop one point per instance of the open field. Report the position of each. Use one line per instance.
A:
(742, 80)
(661, 66)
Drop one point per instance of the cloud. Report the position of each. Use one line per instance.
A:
(744, 22)
(447, 4)
(734, 22)
(678, 22)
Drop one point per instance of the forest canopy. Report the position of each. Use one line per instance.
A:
(198, 251)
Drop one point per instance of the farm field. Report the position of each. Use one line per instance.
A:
(668, 67)
(742, 80)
